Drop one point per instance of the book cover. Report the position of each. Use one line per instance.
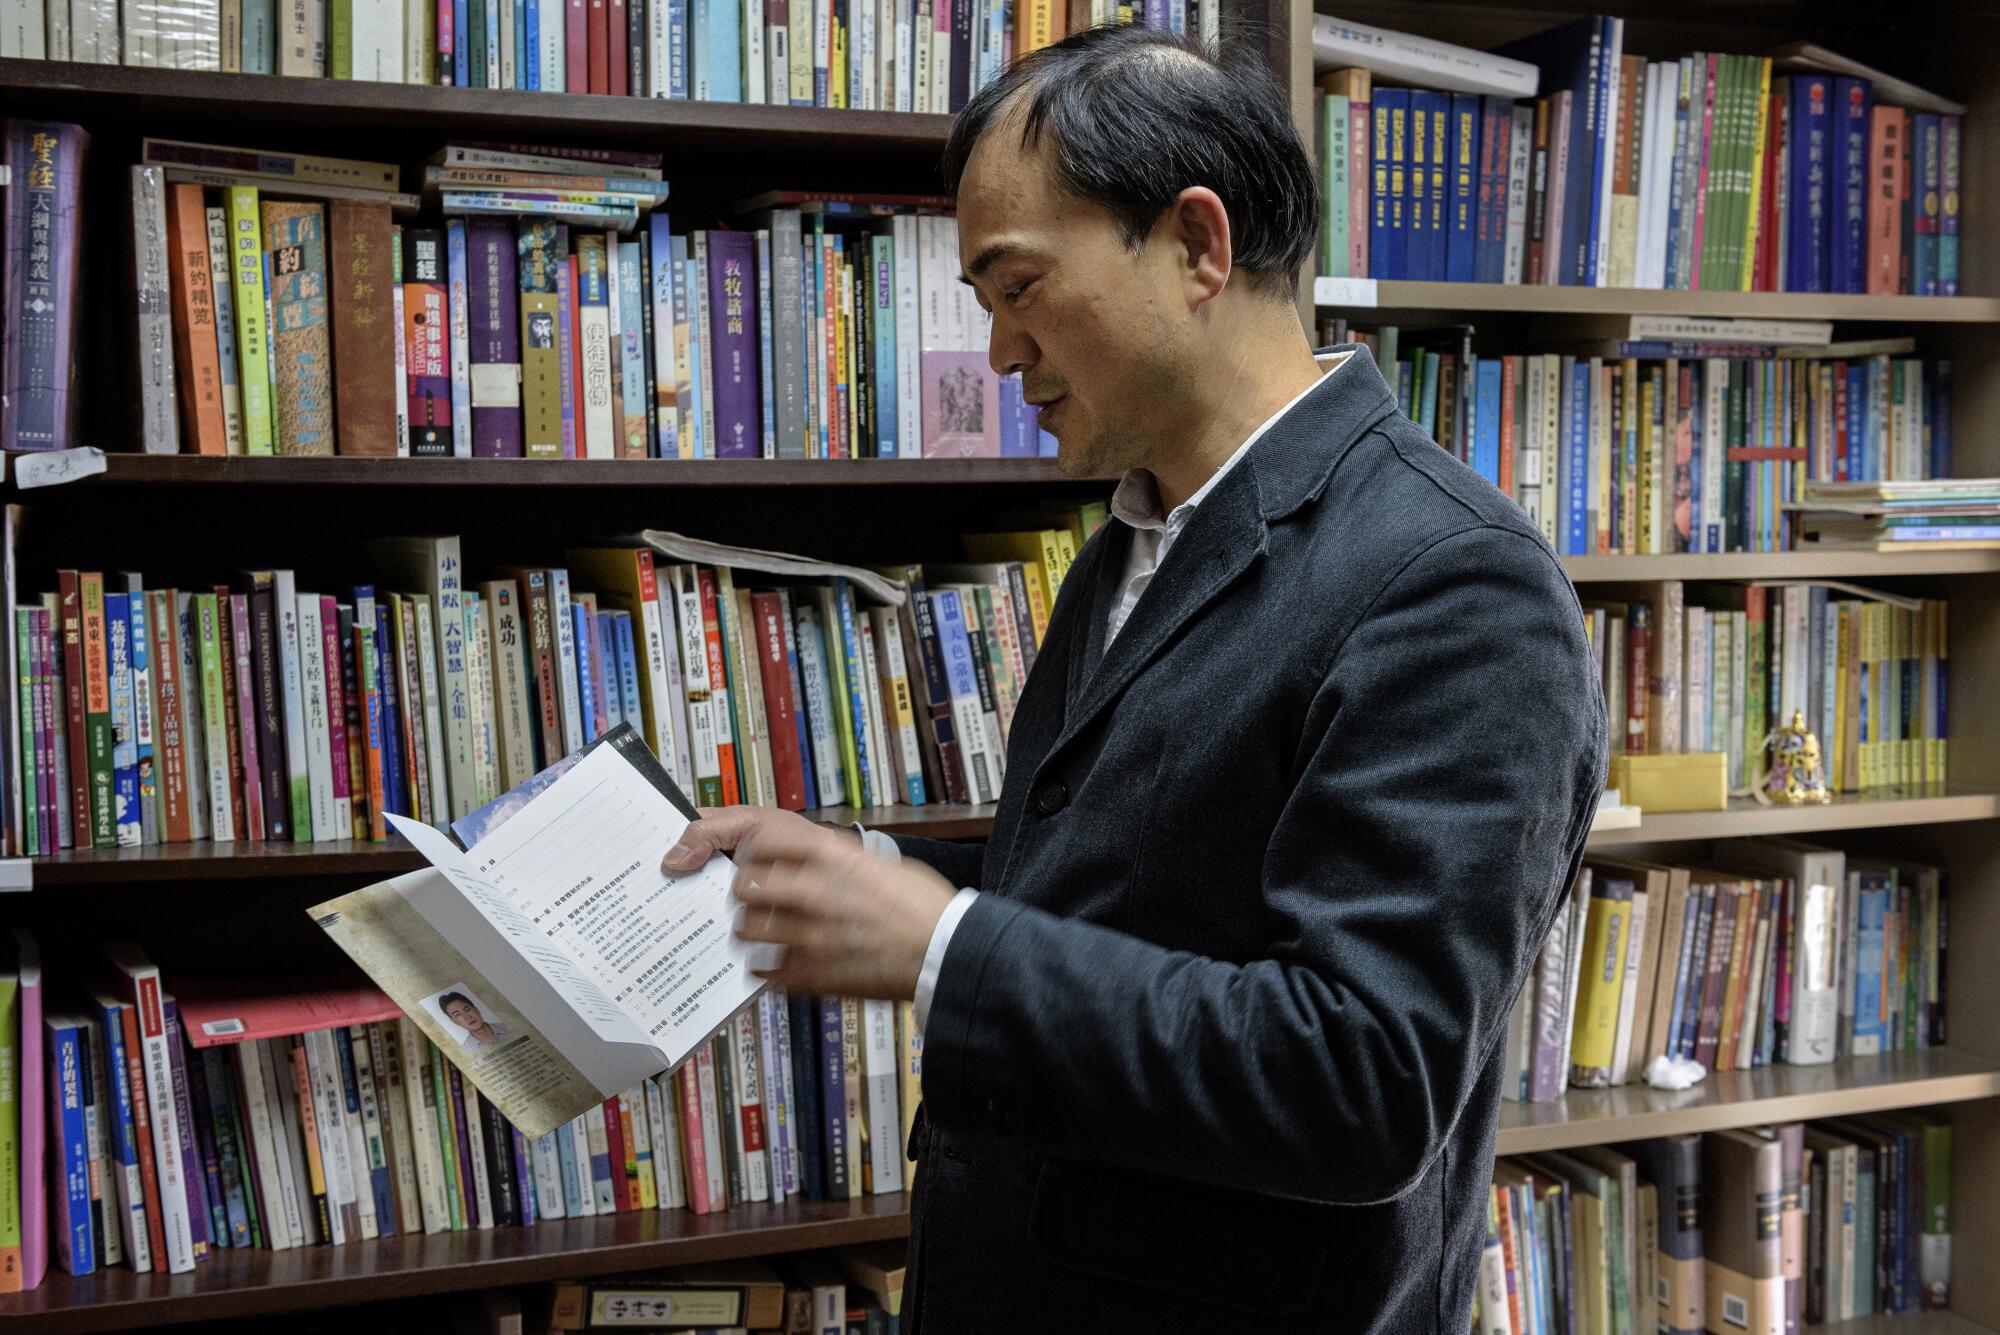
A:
(494, 330)
(41, 215)
(596, 430)
(301, 343)
(363, 330)
(537, 258)
(1742, 1200)
(961, 406)
(426, 336)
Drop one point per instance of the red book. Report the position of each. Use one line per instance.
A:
(1769, 262)
(1509, 366)
(195, 347)
(781, 711)
(694, 1146)
(69, 607)
(718, 688)
(575, 367)
(1637, 635)
(1886, 126)
(372, 724)
(600, 48)
(576, 48)
(142, 1132)
(614, 1143)
(618, 21)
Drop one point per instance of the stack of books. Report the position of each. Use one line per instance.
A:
(540, 306)
(1758, 1229)
(179, 1118)
(1688, 435)
(1715, 667)
(1784, 952)
(1938, 514)
(253, 710)
(857, 1289)
(880, 55)
(1800, 171)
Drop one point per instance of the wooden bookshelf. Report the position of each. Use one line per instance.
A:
(1848, 811)
(195, 471)
(1906, 1323)
(1780, 565)
(249, 1283)
(1355, 298)
(1748, 1098)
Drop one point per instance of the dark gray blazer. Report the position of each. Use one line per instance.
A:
(1218, 1046)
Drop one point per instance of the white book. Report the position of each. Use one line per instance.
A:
(319, 733)
(863, 71)
(225, 329)
(402, 374)
(139, 985)
(301, 41)
(553, 65)
(360, 1163)
(23, 30)
(941, 66)
(416, 30)
(1769, 331)
(902, 66)
(94, 32)
(481, 1204)
(1817, 875)
(659, 58)
(1647, 112)
(661, 646)
(799, 52)
(817, 687)
(597, 433)
(377, 41)
(547, 1162)
(194, 726)
(1399, 57)
(430, 696)
(1614, 76)
(746, 1076)
(878, 1072)
(329, 1104)
(703, 755)
(1715, 379)
(578, 1131)
(486, 751)
(286, 606)
(421, 1097)
(668, 1184)
(57, 21)
(777, 60)
(1660, 201)
(755, 70)
(1578, 909)
(281, 1091)
(883, 779)
(711, 1126)
(895, 673)
(777, 1119)
(1528, 472)
(394, 1110)
(566, 671)
(264, 1152)
(599, 1141)
(434, 567)
(794, 1161)
(1628, 1001)
(1520, 168)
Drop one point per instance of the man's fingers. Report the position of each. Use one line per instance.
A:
(719, 830)
(790, 886)
(781, 927)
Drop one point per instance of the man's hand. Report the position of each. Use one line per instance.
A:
(851, 924)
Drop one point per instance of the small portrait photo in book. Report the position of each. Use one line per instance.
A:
(476, 1026)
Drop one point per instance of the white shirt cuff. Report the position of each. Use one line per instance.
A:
(927, 977)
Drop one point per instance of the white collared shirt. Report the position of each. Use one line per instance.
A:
(1136, 502)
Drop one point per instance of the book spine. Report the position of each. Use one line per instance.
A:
(426, 339)
(154, 401)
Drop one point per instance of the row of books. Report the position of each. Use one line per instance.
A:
(258, 711)
(179, 1125)
(1704, 173)
(1780, 952)
(850, 1291)
(881, 55)
(1866, 671)
(1754, 1230)
(1936, 514)
(1652, 446)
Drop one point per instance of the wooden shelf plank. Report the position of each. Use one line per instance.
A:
(1904, 1323)
(235, 1283)
(188, 98)
(205, 861)
(1779, 565)
(1748, 1098)
(194, 470)
(1348, 297)
(1848, 811)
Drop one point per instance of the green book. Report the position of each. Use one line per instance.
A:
(447, 1140)
(1714, 189)
(838, 697)
(253, 343)
(24, 643)
(1333, 171)
(475, 19)
(340, 38)
(97, 712)
(214, 717)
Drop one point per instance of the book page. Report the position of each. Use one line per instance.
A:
(581, 862)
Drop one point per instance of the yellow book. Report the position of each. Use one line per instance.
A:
(1835, 749)
(1632, 496)
(1601, 446)
(910, 1075)
(1601, 982)
(1760, 130)
(1066, 546)
(1593, 1269)
(1038, 553)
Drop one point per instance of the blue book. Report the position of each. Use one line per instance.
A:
(140, 651)
(1577, 532)
(1611, 33)
(1677, 179)
(1871, 908)
(458, 356)
(1809, 132)
(1462, 184)
(232, 1150)
(1690, 914)
(115, 1108)
(833, 1099)
(767, 382)
(718, 62)
(1424, 257)
(585, 637)
(1925, 168)
(461, 40)
(613, 673)
(207, 1155)
(1486, 421)
(631, 335)
(887, 441)
(124, 746)
(816, 708)
(1496, 128)
(850, 649)
(1572, 57)
(492, 43)
(69, 1146)
(1848, 243)
(1939, 418)
(572, 1182)
(628, 664)
(1386, 190)
(1405, 387)
(258, 53)
(678, 47)
(803, 1018)
(530, 59)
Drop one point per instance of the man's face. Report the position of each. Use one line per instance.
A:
(465, 1015)
(1098, 333)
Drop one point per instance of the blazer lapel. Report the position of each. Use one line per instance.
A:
(1103, 593)
(1225, 534)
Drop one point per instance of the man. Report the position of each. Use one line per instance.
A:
(1212, 1019)
(479, 1033)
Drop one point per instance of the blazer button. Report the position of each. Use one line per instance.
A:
(1053, 797)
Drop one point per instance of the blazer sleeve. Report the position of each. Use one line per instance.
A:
(1450, 763)
(961, 864)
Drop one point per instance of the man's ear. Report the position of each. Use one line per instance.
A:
(1197, 228)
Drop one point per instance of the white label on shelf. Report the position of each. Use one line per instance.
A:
(1343, 292)
(57, 466)
(16, 875)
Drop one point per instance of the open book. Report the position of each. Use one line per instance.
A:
(554, 962)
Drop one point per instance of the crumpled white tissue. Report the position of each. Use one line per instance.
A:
(1665, 1072)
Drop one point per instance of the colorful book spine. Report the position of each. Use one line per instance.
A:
(732, 338)
(458, 334)
(253, 341)
(494, 331)
(426, 336)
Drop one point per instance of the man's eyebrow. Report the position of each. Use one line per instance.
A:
(986, 259)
